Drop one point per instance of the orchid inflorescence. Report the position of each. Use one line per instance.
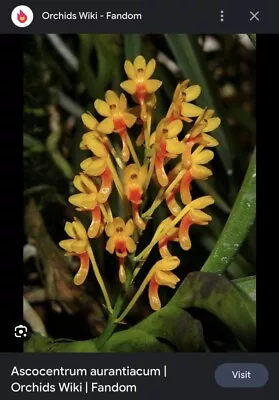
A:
(107, 169)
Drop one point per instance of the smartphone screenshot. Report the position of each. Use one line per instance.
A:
(129, 235)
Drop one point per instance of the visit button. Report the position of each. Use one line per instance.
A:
(241, 375)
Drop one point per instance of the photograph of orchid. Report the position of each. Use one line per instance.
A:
(140, 193)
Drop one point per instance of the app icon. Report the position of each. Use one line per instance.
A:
(21, 331)
(22, 16)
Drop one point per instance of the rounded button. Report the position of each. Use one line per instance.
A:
(241, 375)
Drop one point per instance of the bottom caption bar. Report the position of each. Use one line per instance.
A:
(144, 375)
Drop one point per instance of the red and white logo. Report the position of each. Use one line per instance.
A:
(22, 16)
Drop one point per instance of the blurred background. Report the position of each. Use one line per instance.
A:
(63, 75)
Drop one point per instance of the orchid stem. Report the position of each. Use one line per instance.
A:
(162, 195)
(116, 179)
(132, 151)
(145, 252)
(99, 279)
(136, 296)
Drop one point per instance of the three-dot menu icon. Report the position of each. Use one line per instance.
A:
(222, 15)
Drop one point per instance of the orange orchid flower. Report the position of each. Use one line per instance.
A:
(117, 118)
(87, 201)
(77, 245)
(134, 178)
(166, 145)
(97, 166)
(139, 83)
(180, 107)
(162, 277)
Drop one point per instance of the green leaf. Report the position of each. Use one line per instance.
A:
(106, 51)
(240, 221)
(191, 61)
(223, 299)
(39, 344)
(134, 340)
(132, 46)
(247, 286)
(174, 325)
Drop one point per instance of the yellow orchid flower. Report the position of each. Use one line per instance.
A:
(166, 145)
(98, 166)
(180, 107)
(134, 178)
(194, 216)
(89, 121)
(199, 132)
(77, 246)
(117, 118)
(120, 242)
(119, 237)
(162, 276)
(194, 170)
(87, 201)
(139, 83)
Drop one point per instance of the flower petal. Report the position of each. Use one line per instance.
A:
(86, 163)
(174, 146)
(200, 217)
(167, 264)
(122, 102)
(129, 228)
(129, 86)
(69, 229)
(192, 92)
(129, 119)
(110, 247)
(96, 146)
(95, 168)
(208, 141)
(202, 202)
(119, 223)
(152, 85)
(166, 278)
(84, 200)
(130, 69)
(174, 128)
(131, 245)
(212, 124)
(89, 121)
(67, 245)
(79, 229)
(78, 183)
(79, 246)
(102, 108)
(190, 110)
(110, 229)
(150, 68)
(88, 183)
(106, 126)
(139, 62)
(202, 157)
(112, 98)
(200, 172)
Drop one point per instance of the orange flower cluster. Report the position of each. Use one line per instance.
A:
(182, 135)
